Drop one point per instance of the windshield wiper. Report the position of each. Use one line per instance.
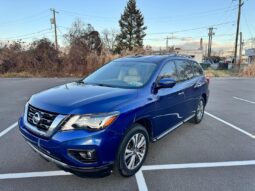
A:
(104, 85)
(99, 84)
(80, 81)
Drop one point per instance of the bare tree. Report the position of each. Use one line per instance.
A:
(109, 39)
(76, 30)
(84, 36)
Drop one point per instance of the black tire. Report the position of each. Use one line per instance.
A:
(198, 117)
(121, 164)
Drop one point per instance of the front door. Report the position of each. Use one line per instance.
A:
(169, 102)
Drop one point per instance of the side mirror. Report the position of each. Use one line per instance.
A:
(166, 83)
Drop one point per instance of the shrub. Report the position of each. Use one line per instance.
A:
(249, 71)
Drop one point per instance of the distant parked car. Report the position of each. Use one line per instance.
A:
(206, 64)
(223, 65)
(109, 118)
(214, 66)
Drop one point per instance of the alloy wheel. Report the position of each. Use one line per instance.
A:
(200, 110)
(135, 151)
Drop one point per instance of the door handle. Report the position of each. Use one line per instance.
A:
(181, 93)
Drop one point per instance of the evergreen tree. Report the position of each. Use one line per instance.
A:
(131, 28)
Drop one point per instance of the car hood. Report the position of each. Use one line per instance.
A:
(78, 98)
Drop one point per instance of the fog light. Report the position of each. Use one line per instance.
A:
(88, 154)
(85, 156)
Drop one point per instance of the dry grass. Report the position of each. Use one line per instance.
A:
(41, 59)
(218, 73)
(70, 69)
(249, 71)
(32, 75)
(18, 74)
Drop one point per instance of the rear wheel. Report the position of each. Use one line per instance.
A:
(199, 111)
(133, 150)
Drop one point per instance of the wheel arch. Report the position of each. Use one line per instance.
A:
(146, 122)
(204, 97)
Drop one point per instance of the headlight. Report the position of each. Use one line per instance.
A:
(27, 103)
(91, 121)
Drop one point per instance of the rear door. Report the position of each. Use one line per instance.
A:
(187, 79)
(169, 104)
(199, 82)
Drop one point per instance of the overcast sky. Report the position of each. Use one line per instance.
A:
(185, 20)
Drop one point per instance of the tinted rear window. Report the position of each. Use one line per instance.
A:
(185, 70)
(197, 69)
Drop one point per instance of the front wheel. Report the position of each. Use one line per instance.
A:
(199, 111)
(133, 151)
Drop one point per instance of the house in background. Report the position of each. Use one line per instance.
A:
(195, 54)
(250, 53)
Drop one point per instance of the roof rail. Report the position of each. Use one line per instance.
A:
(184, 55)
(163, 53)
(171, 54)
(136, 55)
(160, 53)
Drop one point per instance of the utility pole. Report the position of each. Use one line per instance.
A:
(240, 51)
(167, 43)
(210, 35)
(240, 4)
(53, 21)
(201, 44)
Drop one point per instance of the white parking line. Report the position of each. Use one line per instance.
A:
(8, 129)
(139, 175)
(199, 165)
(141, 181)
(245, 100)
(231, 125)
(142, 184)
(33, 174)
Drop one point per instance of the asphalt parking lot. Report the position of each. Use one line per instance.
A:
(217, 154)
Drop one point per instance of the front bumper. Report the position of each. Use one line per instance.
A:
(101, 170)
(55, 149)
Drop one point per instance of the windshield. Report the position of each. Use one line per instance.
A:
(122, 74)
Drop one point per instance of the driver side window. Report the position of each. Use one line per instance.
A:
(168, 71)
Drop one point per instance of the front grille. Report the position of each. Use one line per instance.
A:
(46, 118)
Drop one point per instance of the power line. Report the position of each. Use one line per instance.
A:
(86, 15)
(29, 37)
(191, 29)
(192, 14)
(227, 14)
(195, 17)
(248, 27)
(27, 34)
(64, 27)
(149, 18)
(178, 31)
(187, 38)
(41, 14)
(34, 37)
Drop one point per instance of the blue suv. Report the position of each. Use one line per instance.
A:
(109, 118)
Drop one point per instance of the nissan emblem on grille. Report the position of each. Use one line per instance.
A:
(36, 118)
(40, 118)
